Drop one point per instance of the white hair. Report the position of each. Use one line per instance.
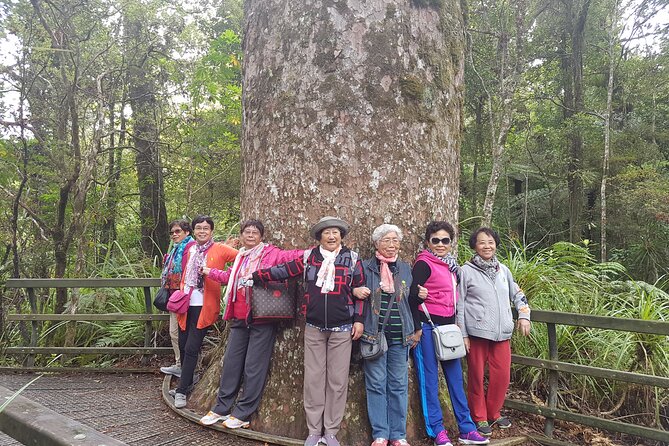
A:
(386, 229)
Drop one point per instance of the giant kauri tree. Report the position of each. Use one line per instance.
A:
(351, 109)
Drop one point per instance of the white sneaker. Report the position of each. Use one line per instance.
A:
(172, 370)
(212, 418)
(235, 423)
(179, 400)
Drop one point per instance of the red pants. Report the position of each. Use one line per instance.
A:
(486, 406)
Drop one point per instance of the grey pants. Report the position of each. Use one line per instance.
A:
(327, 356)
(174, 337)
(247, 358)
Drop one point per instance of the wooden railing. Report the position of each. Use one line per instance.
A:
(35, 318)
(550, 318)
(555, 367)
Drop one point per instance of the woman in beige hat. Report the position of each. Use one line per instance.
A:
(334, 318)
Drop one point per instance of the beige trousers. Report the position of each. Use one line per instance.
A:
(327, 356)
(174, 337)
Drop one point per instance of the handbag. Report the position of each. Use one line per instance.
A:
(179, 302)
(447, 339)
(272, 300)
(161, 299)
(371, 351)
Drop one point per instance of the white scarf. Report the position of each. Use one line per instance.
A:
(326, 273)
(252, 265)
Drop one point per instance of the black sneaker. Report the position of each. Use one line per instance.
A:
(502, 423)
(484, 428)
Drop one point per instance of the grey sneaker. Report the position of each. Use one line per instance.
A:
(172, 370)
(502, 423)
(331, 440)
(179, 400)
(312, 440)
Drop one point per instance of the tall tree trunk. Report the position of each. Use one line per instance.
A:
(607, 133)
(510, 62)
(478, 149)
(361, 117)
(113, 174)
(574, 105)
(142, 98)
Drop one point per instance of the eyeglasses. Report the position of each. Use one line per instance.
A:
(443, 241)
(176, 231)
(388, 241)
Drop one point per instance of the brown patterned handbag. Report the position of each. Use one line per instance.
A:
(272, 301)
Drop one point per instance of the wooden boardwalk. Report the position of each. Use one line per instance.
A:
(130, 408)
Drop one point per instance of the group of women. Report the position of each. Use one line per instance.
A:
(348, 298)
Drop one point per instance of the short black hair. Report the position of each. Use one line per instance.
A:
(202, 219)
(436, 226)
(487, 231)
(255, 223)
(182, 223)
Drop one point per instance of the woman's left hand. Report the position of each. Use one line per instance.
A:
(357, 329)
(415, 338)
(232, 242)
(361, 292)
(524, 326)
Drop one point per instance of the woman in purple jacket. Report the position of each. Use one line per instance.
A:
(250, 343)
(436, 271)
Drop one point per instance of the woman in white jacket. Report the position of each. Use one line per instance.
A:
(487, 290)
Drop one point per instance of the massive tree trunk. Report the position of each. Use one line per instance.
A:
(351, 109)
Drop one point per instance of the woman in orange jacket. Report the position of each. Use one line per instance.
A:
(205, 298)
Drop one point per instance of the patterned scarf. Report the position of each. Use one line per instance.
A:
(326, 273)
(175, 257)
(387, 282)
(489, 267)
(247, 261)
(449, 260)
(197, 260)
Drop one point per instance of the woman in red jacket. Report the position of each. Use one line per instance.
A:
(250, 343)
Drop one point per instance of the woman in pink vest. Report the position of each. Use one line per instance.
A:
(436, 271)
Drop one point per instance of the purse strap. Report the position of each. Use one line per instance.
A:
(424, 307)
(387, 316)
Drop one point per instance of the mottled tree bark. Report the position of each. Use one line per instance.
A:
(351, 108)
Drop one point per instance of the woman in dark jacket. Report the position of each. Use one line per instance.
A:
(387, 281)
(333, 319)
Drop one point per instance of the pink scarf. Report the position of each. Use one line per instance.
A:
(387, 282)
(247, 261)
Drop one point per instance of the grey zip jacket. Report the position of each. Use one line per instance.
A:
(484, 307)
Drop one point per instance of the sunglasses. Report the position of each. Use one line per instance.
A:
(443, 241)
(176, 231)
